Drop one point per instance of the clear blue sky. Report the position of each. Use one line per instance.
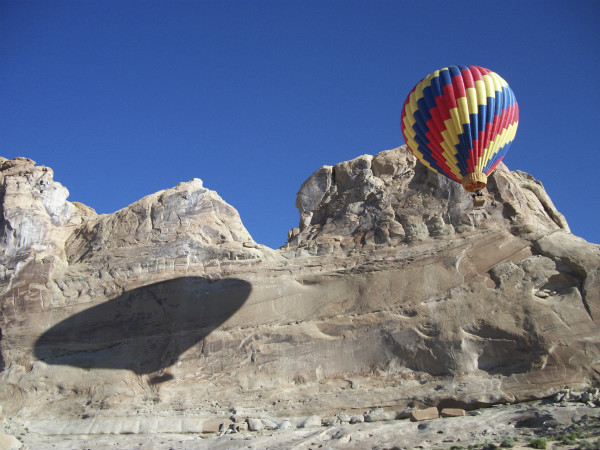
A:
(123, 98)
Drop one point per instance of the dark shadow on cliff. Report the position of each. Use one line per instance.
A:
(1, 358)
(146, 329)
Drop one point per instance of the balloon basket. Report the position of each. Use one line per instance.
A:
(478, 201)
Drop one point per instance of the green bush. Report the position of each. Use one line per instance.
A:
(577, 433)
(507, 443)
(538, 443)
(489, 446)
(568, 440)
(585, 445)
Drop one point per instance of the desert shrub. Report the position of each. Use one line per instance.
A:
(578, 432)
(538, 443)
(585, 445)
(507, 443)
(489, 446)
(568, 440)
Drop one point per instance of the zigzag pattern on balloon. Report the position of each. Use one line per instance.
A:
(460, 120)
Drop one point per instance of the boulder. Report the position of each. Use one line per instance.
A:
(255, 424)
(452, 412)
(268, 424)
(8, 442)
(285, 424)
(419, 415)
(357, 418)
(311, 422)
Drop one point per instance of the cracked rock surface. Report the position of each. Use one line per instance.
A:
(392, 294)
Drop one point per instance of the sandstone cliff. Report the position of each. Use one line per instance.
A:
(393, 292)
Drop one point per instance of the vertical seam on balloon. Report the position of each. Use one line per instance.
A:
(418, 119)
(462, 122)
(439, 153)
(491, 148)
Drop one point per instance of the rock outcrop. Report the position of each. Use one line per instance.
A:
(393, 293)
(391, 199)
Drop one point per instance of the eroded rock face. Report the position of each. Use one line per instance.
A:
(36, 221)
(186, 222)
(391, 199)
(393, 292)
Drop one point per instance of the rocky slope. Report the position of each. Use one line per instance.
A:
(393, 293)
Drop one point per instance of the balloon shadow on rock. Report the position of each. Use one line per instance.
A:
(1, 357)
(146, 329)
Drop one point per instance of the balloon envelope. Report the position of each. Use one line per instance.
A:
(460, 121)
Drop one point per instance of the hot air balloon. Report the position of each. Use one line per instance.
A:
(459, 121)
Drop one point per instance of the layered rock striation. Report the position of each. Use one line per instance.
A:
(392, 293)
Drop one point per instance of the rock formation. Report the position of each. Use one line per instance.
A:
(393, 293)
